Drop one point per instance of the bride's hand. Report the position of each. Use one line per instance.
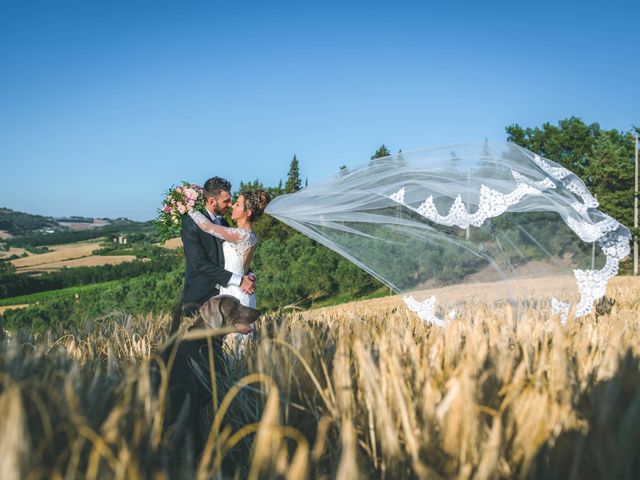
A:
(247, 285)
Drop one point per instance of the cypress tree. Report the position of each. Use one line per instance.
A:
(293, 183)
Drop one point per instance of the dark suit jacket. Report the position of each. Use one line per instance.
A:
(204, 264)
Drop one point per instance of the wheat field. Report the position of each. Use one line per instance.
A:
(12, 251)
(358, 391)
(172, 243)
(88, 261)
(70, 255)
(58, 253)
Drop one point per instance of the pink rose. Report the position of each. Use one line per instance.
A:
(167, 209)
(190, 193)
(181, 209)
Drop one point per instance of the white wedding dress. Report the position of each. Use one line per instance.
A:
(238, 247)
(234, 259)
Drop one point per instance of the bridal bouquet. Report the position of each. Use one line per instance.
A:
(178, 202)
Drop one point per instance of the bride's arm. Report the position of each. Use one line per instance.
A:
(247, 258)
(228, 234)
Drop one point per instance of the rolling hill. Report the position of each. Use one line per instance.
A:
(19, 223)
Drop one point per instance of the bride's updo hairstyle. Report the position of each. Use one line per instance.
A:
(256, 201)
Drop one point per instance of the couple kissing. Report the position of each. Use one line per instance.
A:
(217, 256)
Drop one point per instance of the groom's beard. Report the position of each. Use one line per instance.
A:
(219, 212)
(216, 211)
(222, 211)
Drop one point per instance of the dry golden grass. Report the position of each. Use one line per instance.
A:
(58, 253)
(90, 261)
(5, 235)
(11, 307)
(526, 291)
(172, 243)
(12, 251)
(364, 391)
(68, 255)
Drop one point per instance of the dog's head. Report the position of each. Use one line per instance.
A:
(224, 310)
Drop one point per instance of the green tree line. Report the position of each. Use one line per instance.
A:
(70, 236)
(603, 159)
(13, 284)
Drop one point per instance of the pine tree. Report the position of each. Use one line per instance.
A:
(293, 178)
(610, 171)
(383, 151)
(250, 186)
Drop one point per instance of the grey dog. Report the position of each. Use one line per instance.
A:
(188, 360)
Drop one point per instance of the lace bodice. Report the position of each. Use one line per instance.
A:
(238, 241)
(235, 254)
(242, 238)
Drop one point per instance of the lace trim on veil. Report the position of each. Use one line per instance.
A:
(492, 203)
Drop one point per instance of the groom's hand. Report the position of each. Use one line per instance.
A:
(248, 285)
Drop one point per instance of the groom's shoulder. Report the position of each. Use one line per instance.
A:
(188, 224)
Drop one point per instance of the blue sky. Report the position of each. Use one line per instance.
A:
(105, 104)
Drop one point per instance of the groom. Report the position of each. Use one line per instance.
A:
(205, 273)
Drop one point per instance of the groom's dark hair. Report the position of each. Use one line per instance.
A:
(215, 185)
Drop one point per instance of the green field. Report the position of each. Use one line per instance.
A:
(55, 294)
(346, 298)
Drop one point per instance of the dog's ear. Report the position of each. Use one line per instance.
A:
(211, 314)
(228, 308)
(233, 311)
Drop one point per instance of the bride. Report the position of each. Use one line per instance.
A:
(238, 243)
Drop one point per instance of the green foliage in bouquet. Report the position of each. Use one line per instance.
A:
(178, 202)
